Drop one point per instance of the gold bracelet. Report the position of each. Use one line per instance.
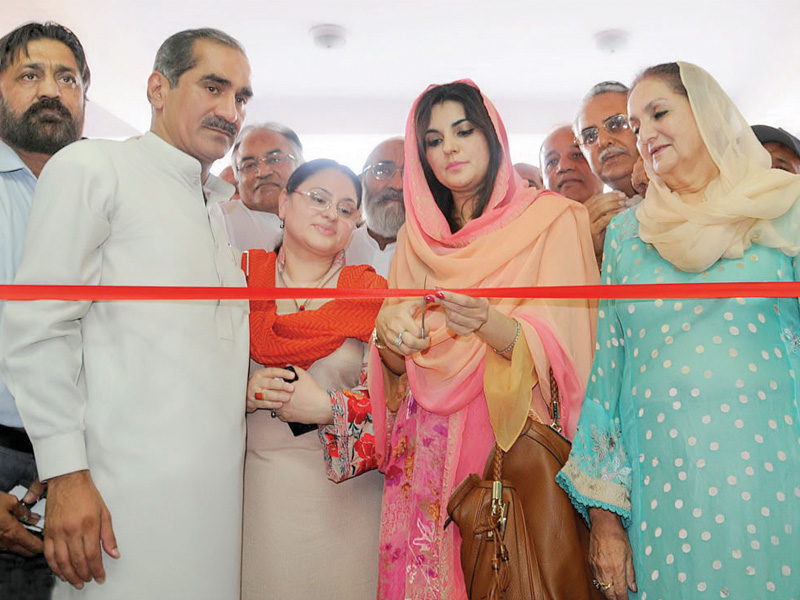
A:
(376, 341)
(513, 343)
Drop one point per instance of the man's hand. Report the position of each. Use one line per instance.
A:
(35, 491)
(76, 522)
(602, 208)
(13, 535)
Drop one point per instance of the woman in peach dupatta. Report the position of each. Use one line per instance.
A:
(472, 375)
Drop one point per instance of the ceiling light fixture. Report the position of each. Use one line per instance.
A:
(611, 40)
(328, 36)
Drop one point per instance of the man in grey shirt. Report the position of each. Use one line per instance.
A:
(43, 83)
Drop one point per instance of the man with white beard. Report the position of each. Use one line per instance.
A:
(374, 243)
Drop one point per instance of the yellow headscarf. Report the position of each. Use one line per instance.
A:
(748, 203)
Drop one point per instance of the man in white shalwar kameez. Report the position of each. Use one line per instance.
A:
(136, 408)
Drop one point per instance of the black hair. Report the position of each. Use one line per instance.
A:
(475, 111)
(313, 167)
(16, 42)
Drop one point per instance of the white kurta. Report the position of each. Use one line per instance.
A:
(247, 228)
(148, 395)
(364, 250)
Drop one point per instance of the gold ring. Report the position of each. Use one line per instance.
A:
(601, 585)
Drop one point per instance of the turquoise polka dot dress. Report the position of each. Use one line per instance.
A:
(689, 430)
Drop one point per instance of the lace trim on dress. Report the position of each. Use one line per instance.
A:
(588, 492)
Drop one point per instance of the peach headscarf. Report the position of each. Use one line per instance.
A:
(523, 238)
(748, 203)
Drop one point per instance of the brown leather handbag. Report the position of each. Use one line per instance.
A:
(521, 537)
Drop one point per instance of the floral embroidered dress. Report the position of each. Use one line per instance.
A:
(690, 427)
(437, 423)
(413, 493)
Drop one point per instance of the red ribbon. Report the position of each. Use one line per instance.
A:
(755, 289)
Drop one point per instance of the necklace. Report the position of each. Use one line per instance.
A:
(287, 282)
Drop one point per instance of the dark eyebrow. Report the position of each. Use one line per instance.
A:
(226, 83)
(221, 81)
(32, 65)
(550, 154)
(652, 102)
(454, 124)
(40, 67)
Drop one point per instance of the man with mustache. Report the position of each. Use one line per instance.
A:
(602, 131)
(566, 172)
(263, 158)
(43, 83)
(136, 408)
(382, 177)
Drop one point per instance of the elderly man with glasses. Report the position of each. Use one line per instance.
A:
(602, 131)
(374, 243)
(263, 158)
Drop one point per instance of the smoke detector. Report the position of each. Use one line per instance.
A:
(611, 40)
(328, 36)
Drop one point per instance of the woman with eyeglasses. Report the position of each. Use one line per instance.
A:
(305, 536)
(451, 373)
(686, 460)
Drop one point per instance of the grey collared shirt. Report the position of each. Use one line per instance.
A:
(17, 184)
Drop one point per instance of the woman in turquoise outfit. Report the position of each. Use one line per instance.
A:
(686, 461)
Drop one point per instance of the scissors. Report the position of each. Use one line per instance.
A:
(424, 304)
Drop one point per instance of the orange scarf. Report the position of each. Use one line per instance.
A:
(304, 337)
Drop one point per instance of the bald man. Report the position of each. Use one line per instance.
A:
(531, 174)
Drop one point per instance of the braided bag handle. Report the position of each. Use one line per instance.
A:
(497, 463)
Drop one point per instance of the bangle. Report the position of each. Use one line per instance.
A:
(378, 344)
(513, 343)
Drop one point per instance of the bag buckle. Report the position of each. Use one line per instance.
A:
(499, 508)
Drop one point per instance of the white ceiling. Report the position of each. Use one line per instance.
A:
(534, 59)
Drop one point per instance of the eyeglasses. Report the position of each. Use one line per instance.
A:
(273, 159)
(614, 125)
(383, 170)
(321, 200)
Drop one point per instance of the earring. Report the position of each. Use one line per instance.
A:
(281, 225)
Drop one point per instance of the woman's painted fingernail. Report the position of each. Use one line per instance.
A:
(439, 295)
(259, 396)
(430, 298)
